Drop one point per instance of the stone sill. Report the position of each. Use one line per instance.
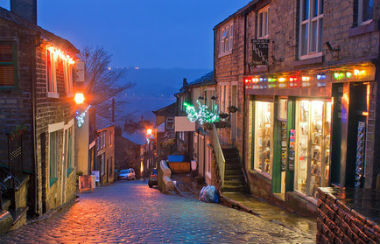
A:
(362, 29)
(310, 61)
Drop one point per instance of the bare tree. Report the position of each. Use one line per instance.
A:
(103, 82)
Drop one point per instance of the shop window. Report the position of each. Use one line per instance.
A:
(312, 146)
(8, 64)
(226, 40)
(310, 28)
(363, 11)
(53, 156)
(51, 63)
(263, 151)
(263, 23)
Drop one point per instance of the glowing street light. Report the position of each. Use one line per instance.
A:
(149, 131)
(79, 98)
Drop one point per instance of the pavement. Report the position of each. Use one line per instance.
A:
(131, 212)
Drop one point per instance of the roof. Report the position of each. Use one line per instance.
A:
(167, 111)
(138, 137)
(238, 12)
(207, 79)
(102, 122)
(46, 35)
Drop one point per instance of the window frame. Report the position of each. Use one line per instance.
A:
(309, 21)
(359, 14)
(226, 39)
(58, 129)
(260, 24)
(14, 63)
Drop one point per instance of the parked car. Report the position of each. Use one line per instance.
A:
(153, 178)
(127, 174)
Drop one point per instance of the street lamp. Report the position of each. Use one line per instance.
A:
(79, 98)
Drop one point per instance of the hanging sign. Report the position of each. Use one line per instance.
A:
(292, 149)
(260, 51)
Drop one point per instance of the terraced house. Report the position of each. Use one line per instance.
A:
(303, 75)
(37, 114)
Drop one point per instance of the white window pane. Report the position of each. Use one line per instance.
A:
(320, 35)
(265, 24)
(305, 9)
(313, 36)
(304, 38)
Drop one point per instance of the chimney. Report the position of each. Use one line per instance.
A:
(26, 9)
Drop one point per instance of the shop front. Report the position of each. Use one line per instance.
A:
(303, 132)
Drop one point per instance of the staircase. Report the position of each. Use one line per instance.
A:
(233, 174)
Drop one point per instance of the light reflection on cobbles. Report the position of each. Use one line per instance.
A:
(131, 212)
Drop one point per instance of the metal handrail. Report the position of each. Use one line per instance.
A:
(219, 156)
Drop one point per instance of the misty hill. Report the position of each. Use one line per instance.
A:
(154, 88)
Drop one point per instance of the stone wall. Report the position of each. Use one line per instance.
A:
(16, 103)
(337, 223)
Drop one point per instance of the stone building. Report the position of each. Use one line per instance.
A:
(303, 75)
(105, 154)
(36, 90)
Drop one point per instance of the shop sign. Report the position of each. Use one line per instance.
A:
(292, 147)
(260, 51)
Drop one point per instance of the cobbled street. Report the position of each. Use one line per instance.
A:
(131, 212)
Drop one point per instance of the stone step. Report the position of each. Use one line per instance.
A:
(232, 171)
(233, 177)
(232, 166)
(233, 188)
(233, 182)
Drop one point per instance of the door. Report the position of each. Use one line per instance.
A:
(201, 155)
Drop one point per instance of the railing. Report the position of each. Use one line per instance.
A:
(219, 157)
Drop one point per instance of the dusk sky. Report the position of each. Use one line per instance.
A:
(145, 33)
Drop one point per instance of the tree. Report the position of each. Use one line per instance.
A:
(103, 82)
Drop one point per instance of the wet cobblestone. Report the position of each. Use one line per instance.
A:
(131, 212)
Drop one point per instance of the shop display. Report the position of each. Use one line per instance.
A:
(263, 136)
(312, 145)
(292, 149)
(359, 169)
(284, 145)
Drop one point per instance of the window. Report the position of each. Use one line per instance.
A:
(311, 25)
(226, 40)
(68, 77)
(53, 156)
(263, 23)
(51, 75)
(263, 151)
(224, 99)
(8, 71)
(69, 153)
(169, 123)
(102, 166)
(363, 11)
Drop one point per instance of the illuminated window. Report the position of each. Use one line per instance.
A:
(263, 151)
(226, 40)
(51, 73)
(310, 29)
(363, 11)
(263, 23)
(68, 77)
(8, 57)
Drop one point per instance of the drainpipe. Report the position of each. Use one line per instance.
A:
(375, 168)
(35, 163)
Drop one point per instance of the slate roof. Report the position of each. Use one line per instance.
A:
(207, 79)
(168, 111)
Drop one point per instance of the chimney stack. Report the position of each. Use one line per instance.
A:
(26, 9)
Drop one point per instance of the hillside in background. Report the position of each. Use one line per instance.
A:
(154, 88)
